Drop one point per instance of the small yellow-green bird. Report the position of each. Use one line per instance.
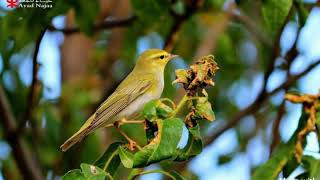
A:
(143, 84)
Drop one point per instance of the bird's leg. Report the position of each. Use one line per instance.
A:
(125, 121)
(135, 121)
(132, 143)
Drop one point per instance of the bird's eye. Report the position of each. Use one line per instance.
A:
(162, 57)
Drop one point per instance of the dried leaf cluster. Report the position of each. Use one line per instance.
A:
(311, 103)
(198, 76)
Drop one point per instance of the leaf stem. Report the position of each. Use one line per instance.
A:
(182, 102)
(109, 176)
(154, 171)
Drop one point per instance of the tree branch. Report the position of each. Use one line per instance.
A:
(290, 56)
(258, 103)
(191, 8)
(31, 99)
(22, 155)
(251, 26)
(276, 125)
(263, 95)
(104, 25)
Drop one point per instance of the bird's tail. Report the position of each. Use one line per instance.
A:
(79, 135)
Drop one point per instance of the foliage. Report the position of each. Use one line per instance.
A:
(275, 12)
(293, 150)
(87, 172)
(172, 175)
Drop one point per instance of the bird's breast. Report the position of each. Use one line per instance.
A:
(137, 105)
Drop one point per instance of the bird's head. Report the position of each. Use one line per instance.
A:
(154, 59)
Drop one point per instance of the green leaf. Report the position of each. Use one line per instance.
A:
(135, 173)
(272, 168)
(176, 175)
(110, 159)
(291, 165)
(312, 166)
(126, 157)
(143, 9)
(193, 147)
(150, 110)
(156, 109)
(274, 13)
(86, 13)
(304, 175)
(195, 132)
(159, 22)
(162, 147)
(92, 172)
(163, 110)
(75, 174)
(204, 109)
(303, 13)
(138, 172)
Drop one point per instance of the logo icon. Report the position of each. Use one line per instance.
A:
(12, 3)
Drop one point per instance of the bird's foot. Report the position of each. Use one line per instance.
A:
(117, 124)
(125, 121)
(132, 145)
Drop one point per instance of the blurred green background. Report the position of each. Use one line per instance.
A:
(58, 64)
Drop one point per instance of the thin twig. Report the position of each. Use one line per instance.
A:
(181, 104)
(290, 56)
(310, 104)
(178, 21)
(32, 92)
(104, 25)
(29, 168)
(154, 171)
(275, 127)
(252, 27)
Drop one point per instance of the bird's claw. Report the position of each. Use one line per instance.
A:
(132, 145)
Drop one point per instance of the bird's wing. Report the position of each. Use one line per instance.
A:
(119, 100)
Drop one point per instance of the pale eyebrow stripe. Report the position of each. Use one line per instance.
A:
(158, 55)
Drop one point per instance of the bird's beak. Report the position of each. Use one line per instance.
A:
(171, 56)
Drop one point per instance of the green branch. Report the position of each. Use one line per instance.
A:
(170, 175)
(181, 104)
